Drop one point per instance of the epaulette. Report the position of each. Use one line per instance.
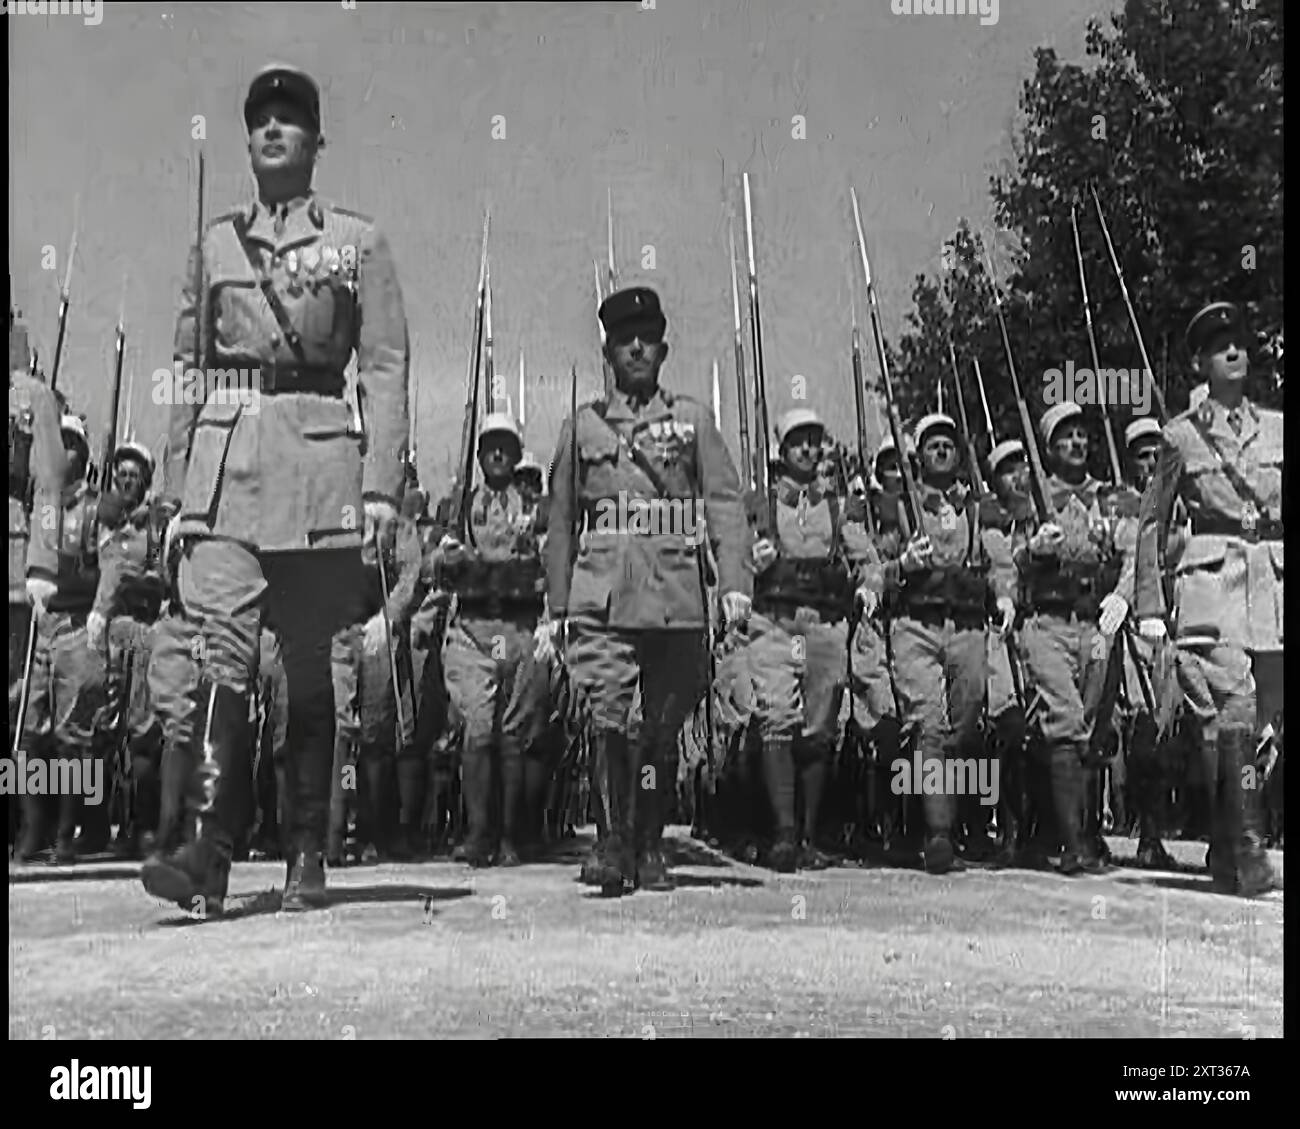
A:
(346, 212)
(229, 217)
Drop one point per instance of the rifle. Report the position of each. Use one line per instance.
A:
(199, 296)
(64, 299)
(606, 369)
(489, 366)
(859, 381)
(742, 395)
(25, 694)
(1116, 469)
(461, 485)
(1037, 477)
(121, 734)
(717, 397)
(972, 459)
(911, 497)
(763, 476)
(1148, 371)
(110, 440)
(388, 641)
(609, 238)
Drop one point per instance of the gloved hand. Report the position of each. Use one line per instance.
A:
(917, 554)
(544, 639)
(380, 523)
(1046, 540)
(1006, 614)
(96, 626)
(867, 600)
(763, 554)
(39, 592)
(735, 608)
(1112, 613)
(1152, 629)
(373, 637)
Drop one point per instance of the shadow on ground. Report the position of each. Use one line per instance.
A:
(265, 902)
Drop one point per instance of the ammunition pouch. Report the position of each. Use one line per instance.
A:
(141, 597)
(958, 593)
(497, 588)
(816, 583)
(1072, 589)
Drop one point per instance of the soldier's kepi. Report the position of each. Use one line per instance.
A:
(1223, 461)
(271, 498)
(632, 596)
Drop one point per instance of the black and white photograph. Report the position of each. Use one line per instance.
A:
(645, 519)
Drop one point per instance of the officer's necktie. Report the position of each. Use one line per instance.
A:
(1234, 421)
(281, 215)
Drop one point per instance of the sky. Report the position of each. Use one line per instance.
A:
(662, 107)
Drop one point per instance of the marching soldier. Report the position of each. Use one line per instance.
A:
(1070, 572)
(36, 476)
(1005, 515)
(631, 592)
(367, 734)
(806, 572)
(66, 690)
(273, 481)
(1223, 459)
(127, 604)
(941, 583)
(498, 688)
(1146, 786)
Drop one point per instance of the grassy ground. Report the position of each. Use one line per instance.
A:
(437, 950)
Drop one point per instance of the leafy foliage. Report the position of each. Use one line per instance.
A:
(1176, 119)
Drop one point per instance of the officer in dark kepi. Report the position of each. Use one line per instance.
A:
(626, 580)
(1223, 460)
(278, 482)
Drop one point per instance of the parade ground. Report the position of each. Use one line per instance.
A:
(437, 950)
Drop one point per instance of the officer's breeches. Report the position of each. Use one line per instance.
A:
(67, 687)
(306, 598)
(799, 671)
(1069, 666)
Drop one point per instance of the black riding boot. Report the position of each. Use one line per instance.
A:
(476, 784)
(512, 795)
(195, 875)
(778, 778)
(411, 771)
(1242, 820)
(615, 863)
(1067, 805)
(648, 800)
(812, 779)
(938, 854)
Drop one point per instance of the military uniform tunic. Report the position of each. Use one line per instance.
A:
(271, 483)
(631, 591)
(1228, 580)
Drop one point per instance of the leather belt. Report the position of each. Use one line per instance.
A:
(273, 380)
(1227, 527)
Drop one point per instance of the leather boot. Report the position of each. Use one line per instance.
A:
(375, 801)
(512, 794)
(476, 784)
(615, 863)
(648, 803)
(537, 780)
(1243, 821)
(812, 778)
(938, 853)
(95, 819)
(340, 795)
(778, 779)
(195, 875)
(304, 884)
(65, 843)
(410, 792)
(1067, 806)
(34, 836)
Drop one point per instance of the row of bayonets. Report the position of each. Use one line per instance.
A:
(119, 348)
(756, 465)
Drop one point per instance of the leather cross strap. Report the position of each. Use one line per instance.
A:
(1230, 469)
(291, 336)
